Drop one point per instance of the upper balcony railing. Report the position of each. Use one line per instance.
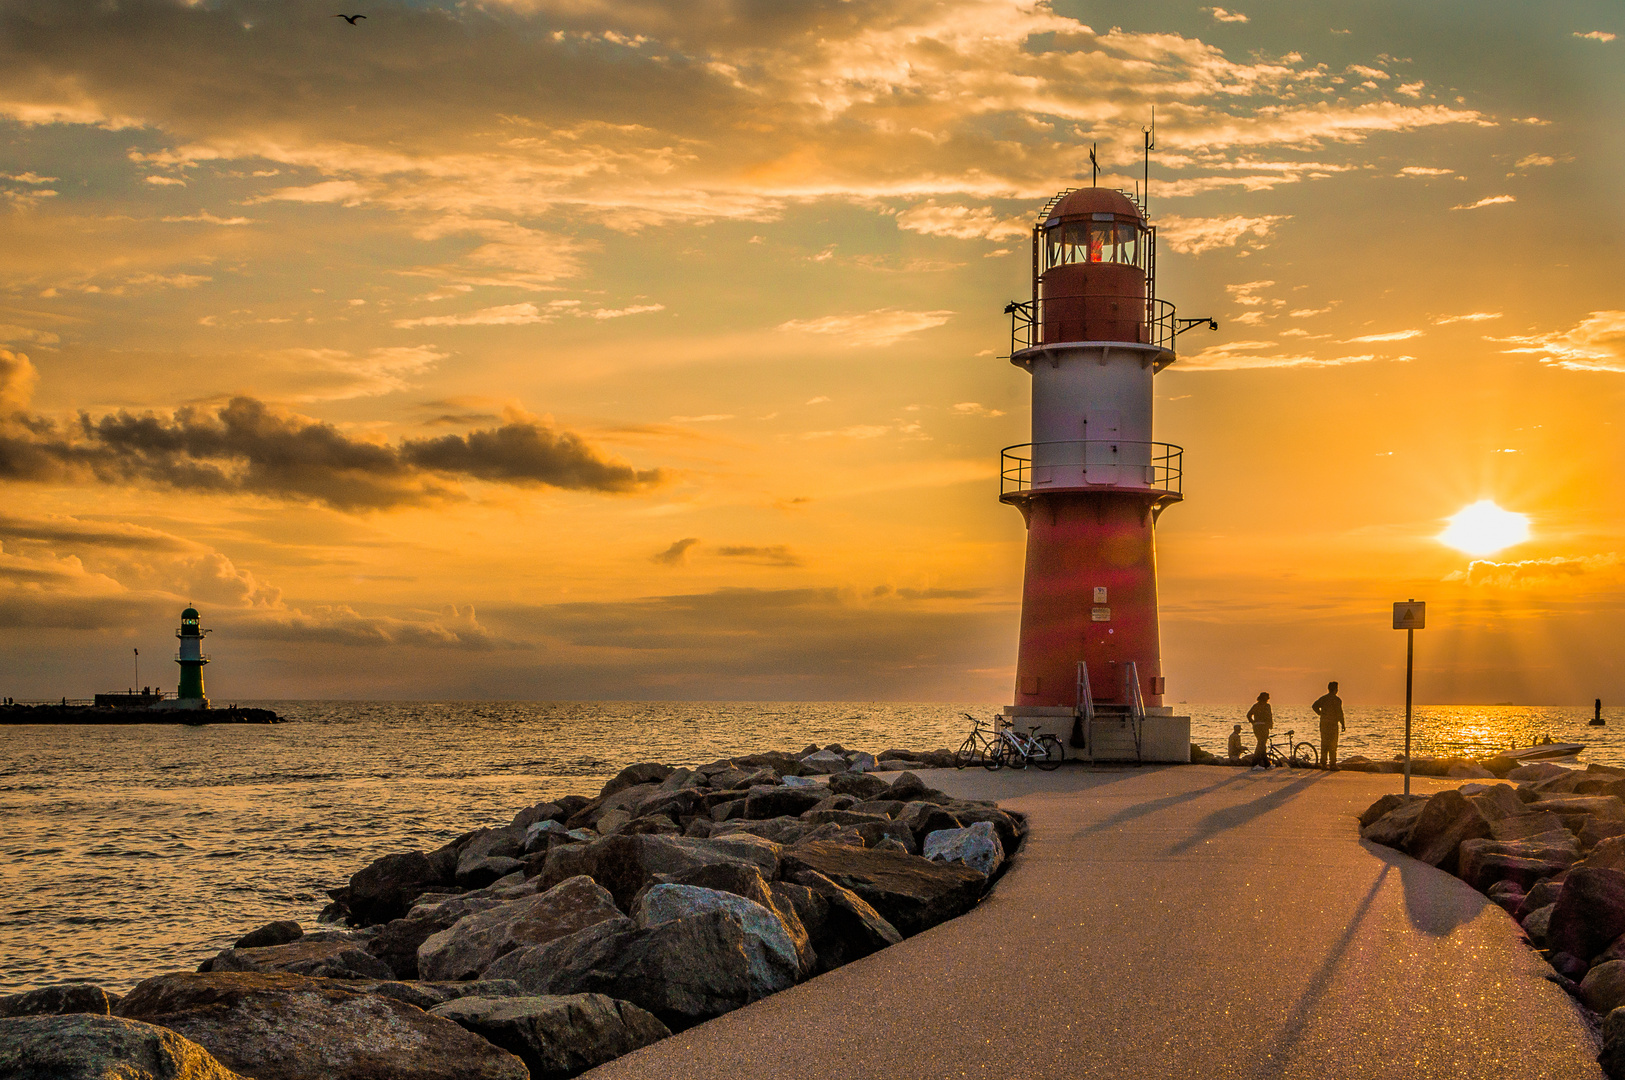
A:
(1159, 327)
(1093, 465)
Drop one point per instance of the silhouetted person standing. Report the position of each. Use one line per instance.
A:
(1262, 720)
(1329, 707)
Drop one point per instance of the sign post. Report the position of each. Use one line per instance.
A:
(1410, 617)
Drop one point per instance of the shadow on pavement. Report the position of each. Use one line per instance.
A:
(1139, 810)
(1232, 817)
(1297, 1023)
(1435, 902)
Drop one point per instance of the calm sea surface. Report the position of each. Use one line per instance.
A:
(128, 851)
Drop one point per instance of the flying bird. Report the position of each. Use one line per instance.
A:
(350, 18)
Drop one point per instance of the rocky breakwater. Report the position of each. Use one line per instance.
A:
(1548, 847)
(578, 931)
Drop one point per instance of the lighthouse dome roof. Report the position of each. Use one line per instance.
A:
(1095, 200)
(190, 613)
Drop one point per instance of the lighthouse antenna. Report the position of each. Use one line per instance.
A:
(1094, 166)
(1150, 136)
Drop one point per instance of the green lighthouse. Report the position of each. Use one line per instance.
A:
(191, 659)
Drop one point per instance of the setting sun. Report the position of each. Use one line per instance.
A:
(1484, 528)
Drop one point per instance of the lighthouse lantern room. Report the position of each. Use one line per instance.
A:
(1092, 482)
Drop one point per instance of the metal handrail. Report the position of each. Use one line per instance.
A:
(1084, 710)
(1163, 464)
(1136, 706)
(1027, 322)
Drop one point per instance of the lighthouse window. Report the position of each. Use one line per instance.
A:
(1092, 242)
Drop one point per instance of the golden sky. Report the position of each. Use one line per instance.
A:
(652, 349)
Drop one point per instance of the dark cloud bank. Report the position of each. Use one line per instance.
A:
(248, 447)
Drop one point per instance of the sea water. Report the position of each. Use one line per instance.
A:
(126, 851)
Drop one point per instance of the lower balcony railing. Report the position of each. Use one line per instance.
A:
(1092, 464)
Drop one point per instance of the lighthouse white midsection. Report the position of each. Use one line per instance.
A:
(1092, 414)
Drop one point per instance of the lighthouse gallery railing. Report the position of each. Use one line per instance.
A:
(1161, 323)
(1090, 464)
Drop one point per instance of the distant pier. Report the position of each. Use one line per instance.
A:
(84, 712)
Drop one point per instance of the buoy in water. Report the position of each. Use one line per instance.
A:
(1596, 715)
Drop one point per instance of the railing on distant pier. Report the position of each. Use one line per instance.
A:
(1087, 464)
(68, 702)
(1159, 327)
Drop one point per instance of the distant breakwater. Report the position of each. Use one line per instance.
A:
(90, 714)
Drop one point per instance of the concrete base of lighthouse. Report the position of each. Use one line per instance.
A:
(1164, 737)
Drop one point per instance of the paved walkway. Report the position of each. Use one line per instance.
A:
(1186, 921)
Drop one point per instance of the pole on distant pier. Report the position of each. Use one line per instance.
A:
(137, 666)
(1410, 617)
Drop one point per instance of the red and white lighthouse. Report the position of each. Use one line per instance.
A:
(1093, 481)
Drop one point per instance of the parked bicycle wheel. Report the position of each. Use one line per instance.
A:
(993, 757)
(967, 752)
(1053, 753)
(1014, 756)
(1306, 755)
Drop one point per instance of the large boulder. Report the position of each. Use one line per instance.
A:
(557, 1037)
(289, 1027)
(1603, 987)
(646, 772)
(385, 888)
(911, 893)
(1537, 923)
(396, 942)
(765, 802)
(1543, 894)
(1483, 863)
(1535, 771)
(924, 818)
(318, 959)
(859, 784)
(272, 933)
(746, 881)
(1609, 853)
(769, 945)
(625, 864)
(1385, 805)
(883, 830)
(824, 761)
(1446, 820)
(842, 925)
(1590, 912)
(1612, 1058)
(1577, 810)
(470, 945)
(683, 971)
(85, 1047)
(1596, 830)
(59, 1000)
(1525, 826)
(977, 847)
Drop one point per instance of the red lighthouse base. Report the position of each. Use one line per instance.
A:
(1090, 594)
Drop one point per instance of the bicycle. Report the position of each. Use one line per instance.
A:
(1016, 750)
(1295, 755)
(977, 749)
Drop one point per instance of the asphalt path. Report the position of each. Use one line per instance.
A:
(1180, 921)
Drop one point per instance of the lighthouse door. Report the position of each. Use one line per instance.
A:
(1100, 448)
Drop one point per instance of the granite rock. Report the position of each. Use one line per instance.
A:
(289, 1027)
(561, 1036)
(469, 946)
(87, 1047)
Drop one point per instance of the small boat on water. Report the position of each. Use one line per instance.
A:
(1542, 751)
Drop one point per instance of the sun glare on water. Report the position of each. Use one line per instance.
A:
(1484, 528)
